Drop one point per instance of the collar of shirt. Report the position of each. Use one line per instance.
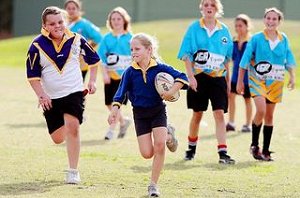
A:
(279, 35)
(217, 27)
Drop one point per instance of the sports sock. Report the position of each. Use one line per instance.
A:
(193, 143)
(267, 130)
(255, 134)
(222, 149)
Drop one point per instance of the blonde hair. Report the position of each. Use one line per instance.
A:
(276, 10)
(218, 5)
(148, 41)
(124, 15)
(51, 10)
(245, 19)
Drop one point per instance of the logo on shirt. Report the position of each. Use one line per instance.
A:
(224, 40)
(263, 67)
(112, 59)
(201, 56)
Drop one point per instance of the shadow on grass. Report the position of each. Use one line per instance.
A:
(28, 187)
(238, 165)
(26, 125)
(179, 165)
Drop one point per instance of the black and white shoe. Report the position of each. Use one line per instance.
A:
(189, 154)
(226, 159)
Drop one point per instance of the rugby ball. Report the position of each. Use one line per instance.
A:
(164, 82)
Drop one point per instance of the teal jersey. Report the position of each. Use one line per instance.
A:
(87, 29)
(115, 53)
(267, 69)
(208, 53)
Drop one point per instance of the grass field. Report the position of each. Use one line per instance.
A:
(32, 166)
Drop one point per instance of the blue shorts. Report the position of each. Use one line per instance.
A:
(145, 119)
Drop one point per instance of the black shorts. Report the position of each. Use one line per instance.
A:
(145, 119)
(213, 89)
(246, 90)
(71, 104)
(110, 91)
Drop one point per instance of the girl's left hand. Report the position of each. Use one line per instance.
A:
(168, 95)
(291, 84)
(92, 87)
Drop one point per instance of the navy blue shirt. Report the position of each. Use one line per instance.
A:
(140, 84)
(236, 58)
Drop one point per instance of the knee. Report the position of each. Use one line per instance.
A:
(147, 154)
(57, 138)
(159, 147)
(219, 115)
(72, 128)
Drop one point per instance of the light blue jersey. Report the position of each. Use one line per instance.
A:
(207, 50)
(87, 29)
(115, 53)
(266, 74)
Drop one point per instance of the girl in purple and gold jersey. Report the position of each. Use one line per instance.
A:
(53, 70)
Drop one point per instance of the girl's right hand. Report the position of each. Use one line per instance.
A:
(193, 82)
(240, 87)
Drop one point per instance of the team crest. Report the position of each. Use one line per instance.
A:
(201, 57)
(224, 40)
(263, 67)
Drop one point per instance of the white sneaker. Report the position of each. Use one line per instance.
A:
(109, 135)
(123, 128)
(172, 144)
(153, 190)
(72, 176)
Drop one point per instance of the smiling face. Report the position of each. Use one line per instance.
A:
(272, 20)
(73, 11)
(208, 8)
(55, 25)
(117, 21)
(139, 52)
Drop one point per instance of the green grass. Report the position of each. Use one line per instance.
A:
(32, 166)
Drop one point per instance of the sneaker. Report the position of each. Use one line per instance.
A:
(230, 127)
(255, 152)
(172, 144)
(226, 159)
(245, 129)
(72, 176)
(123, 128)
(153, 191)
(189, 154)
(109, 135)
(266, 156)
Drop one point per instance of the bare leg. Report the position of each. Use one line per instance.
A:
(231, 107)
(72, 139)
(220, 126)
(194, 124)
(248, 105)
